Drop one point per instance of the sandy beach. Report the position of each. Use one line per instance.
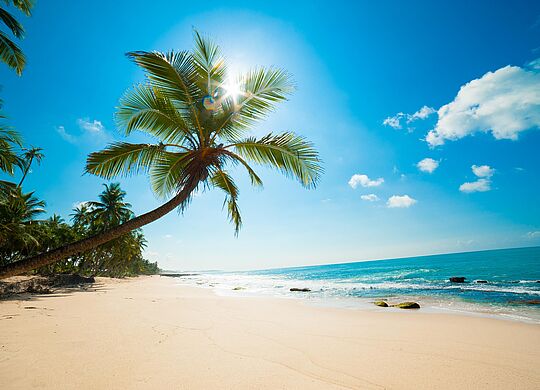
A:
(149, 332)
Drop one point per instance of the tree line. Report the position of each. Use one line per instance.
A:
(24, 233)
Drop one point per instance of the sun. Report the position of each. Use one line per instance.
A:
(232, 89)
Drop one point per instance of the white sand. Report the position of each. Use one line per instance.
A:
(151, 333)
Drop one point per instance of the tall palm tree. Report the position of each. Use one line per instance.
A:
(110, 210)
(198, 118)
(81, 215)
(10, 53)
(30, 155)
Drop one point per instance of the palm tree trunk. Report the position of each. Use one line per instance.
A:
(86, 244)
(26, 169)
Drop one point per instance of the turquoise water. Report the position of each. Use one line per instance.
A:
(512, 277)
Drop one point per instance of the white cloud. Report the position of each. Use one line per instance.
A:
(480, 185)
(65, 135)
(94, 126)
(400, 201)
(428, 165)
(483, 170)
(364, 181)
(370, 198)
(534, 64)
(168, 236)
(505, 103)
(394, 121)
(90, 132)
(533, 235)
(483, 184)
(421, 114)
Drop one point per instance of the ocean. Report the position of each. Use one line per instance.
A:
(512, 288)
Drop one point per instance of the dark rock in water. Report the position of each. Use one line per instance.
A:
(407, 305)
(481, 281)
(526, 302)
(457, 279)
(538, 281)
(300, 289)
(381, 303)
(177, 275)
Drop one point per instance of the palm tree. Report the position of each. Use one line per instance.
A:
(20, 207)
(27, 158)
(18, 213)
(110, 210)
(199, 118)
(81, 215)
(10, 53)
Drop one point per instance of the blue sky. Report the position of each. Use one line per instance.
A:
(357, 64)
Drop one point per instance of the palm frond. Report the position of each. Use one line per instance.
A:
(8, 156)
(11, 54)
(263, 88)
(173, 73)
(11, 23)
(145, 109)
(209, 63)
(123, 159)
(291, 154)
(222, 180)
(6, 186)
(24, 6)
(255, 179)
(226, 125)
(10, 135)
(169, 172)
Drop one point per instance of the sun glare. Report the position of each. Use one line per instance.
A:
(232, 89)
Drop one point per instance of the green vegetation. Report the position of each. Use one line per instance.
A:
(23, 234)
(10, 53)
(199, 119)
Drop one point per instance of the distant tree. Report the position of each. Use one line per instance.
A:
(19, 234)
(10, 53)
(81, 216)
(30, 155)
(110, 210)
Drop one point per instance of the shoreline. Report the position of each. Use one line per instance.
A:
(529, 314)
(150, 332)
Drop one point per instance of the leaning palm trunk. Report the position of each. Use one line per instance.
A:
(86, 244)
